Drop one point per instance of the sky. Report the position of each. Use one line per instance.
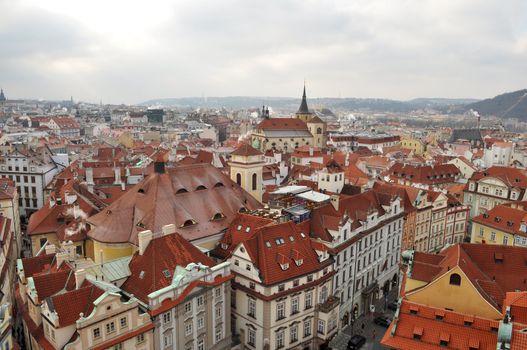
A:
(127, 51)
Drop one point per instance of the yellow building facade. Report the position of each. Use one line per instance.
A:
(416, 145)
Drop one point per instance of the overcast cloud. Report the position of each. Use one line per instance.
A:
(131, 51)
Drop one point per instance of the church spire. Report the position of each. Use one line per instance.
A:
(2, 97)
(303, 105)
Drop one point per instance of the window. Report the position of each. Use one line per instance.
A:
(123, 322)
(323, 294)
(219, 309)
(167, 339)
(188, 328)
(307, 328)
(96, 333)
(321, 327)
(455, 279)
(294, 306)
(251, 337)
(188, 307)
(309, 278)
(493, 236)
(252, 285)
(200, 300)
(201, 344)
(201, 322)
(32, 179)
(505, 240)
(254, 182)
(217, 292)
(110, 327)
(252, 308)
(239, 179)
(118, 346)
(140, 338)
(167, 317)
(219, 334)
(280, 339)
(296, 282)
(280, 310)
(281, 287)
(43, 241)
(293, 336)
(309, 300)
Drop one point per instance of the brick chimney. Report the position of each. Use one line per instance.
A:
(144, 238)
(80, 276)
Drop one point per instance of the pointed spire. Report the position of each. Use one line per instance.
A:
(303, 105)
(2, 97)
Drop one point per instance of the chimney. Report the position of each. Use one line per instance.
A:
(311, 151)
(51, 201)
(117, 173)
(168, 229)
(61, 257)
(334, 200)
(123, 186)
(89, 176)
(159, 164)
(80, 276)
(50, 249)
(144, 238)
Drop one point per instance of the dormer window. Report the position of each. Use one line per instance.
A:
(248, 229)
(181, 190)
(218, 184)
(239, 227)
(224, 246)
(299, 262)
(188, 223)
(218, 216)
(268, 244)
(201, 187)
(284, 266)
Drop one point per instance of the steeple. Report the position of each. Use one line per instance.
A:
(2, 96)
(303, 105)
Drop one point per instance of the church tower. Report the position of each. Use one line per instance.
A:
(303, 112)
(2, 96)
(317, 127)
(246, 167)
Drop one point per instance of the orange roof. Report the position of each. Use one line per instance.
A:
(432, 325)
(282, 124)
(246, 150)
(504, 218)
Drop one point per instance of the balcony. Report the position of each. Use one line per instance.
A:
(331, 303)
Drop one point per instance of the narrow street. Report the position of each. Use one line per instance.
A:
(364, 326)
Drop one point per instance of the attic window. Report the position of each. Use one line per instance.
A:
(242, 210)
(299, 262)
(440, 314)
(444, 338)
(141, 275)
(188, 223)
(497, 218)
(473, 344)
(498, 258)
(239, 227)
(291, 238)
(510, 223)
(141, 190)
(418, 333)
(302, 235)
(201, 187)
(279, 241)
(166, 273)
(181, 190)
(284, 266)
(218, 184)
(485, 215)
(468, 320)
(248, 229)
(268, 244)
(414, 309)
(218, 216)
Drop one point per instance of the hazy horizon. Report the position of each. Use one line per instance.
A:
(130, 52)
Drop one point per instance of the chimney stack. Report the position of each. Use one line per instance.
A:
(168, 229)
(89, 176)
(50, 249)
(80, 276)
(334, 199)
(117, 173)
(144, 238)
(311, 151)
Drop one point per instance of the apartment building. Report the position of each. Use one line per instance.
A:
(185, 292)
(282, 295)
(364, 233)
(493, 186)
(32, 171)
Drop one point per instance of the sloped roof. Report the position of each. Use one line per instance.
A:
(282, 124)
(421, 319)
(162, 254)
(438, 174)
(282, 243)
(493, 269)
(246, 150)
(512, 177)
(71, 304)
(504, 218)
(183, 194)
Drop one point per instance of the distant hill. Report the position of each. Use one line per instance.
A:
(508, 105)
(291, 104)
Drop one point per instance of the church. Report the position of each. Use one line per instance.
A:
(287, 134)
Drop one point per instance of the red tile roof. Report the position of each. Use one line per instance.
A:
(504, 218)
(512, 177)
(282, 124)
(421, 320)
(71, 304)
(283, 243)
(493, 269)
(49, 284)
(246, 150)
(432, 175)
(162, 254)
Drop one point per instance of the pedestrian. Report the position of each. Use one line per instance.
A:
(373, 334)
(362, 328)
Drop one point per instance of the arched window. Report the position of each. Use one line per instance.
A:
(188, 223)
(181, 190)
(218, 216)
(201, 187)
(319, 131)
(455, 279)
(254, 182)
(239, 179)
